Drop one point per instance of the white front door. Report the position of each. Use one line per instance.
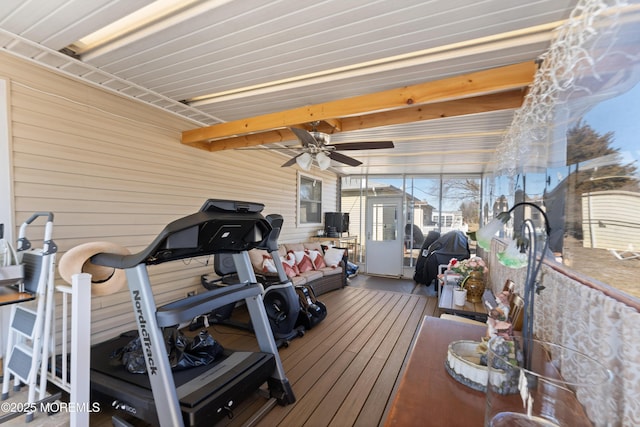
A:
(384, 238)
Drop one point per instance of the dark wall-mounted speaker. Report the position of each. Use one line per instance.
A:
(338, 220)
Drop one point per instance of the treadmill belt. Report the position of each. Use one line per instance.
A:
(201, 390)
(101, 361)
(222, 374)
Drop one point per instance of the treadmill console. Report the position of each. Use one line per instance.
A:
(220, 226)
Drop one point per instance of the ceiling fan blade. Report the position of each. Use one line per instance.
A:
(339, 157)
(363, 145)
(304, 137)
(291, 161)
(293, 147)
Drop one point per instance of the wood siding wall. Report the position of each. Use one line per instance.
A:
(112, 169)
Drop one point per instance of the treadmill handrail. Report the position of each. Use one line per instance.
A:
(186, 309)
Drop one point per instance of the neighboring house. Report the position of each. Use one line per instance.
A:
(351, 202)
(446, 221)
(609, 220)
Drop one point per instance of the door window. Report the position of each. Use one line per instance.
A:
(384, 222)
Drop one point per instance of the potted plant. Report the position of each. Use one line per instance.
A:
(473, 271)
(459, 293)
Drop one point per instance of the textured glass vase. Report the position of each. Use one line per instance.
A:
(474, 284)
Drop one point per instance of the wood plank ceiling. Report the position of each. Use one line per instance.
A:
(439, 78)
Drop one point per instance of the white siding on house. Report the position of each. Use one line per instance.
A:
(112, 169)
(610, 220)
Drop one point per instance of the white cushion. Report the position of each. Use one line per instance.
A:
(257, 258)
(333, 256)
(268, 266)
(330, 271)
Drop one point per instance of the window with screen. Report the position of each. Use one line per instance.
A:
(309, 200)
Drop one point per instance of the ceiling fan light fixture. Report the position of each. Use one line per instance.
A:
(324, 161)
(321, 137)
(304, 161)
(315, 146)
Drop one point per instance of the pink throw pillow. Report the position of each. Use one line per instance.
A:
(303, 262)
(317, 259)
(289, 264)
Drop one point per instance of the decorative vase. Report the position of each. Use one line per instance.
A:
(459, 296)
(474, 284)
(538, 383)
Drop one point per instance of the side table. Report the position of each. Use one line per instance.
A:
(474, 310)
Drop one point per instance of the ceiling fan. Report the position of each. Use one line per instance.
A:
(316, 145)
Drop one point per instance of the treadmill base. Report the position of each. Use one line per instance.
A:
(206, 394)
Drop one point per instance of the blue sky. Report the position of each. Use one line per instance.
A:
(620, 115)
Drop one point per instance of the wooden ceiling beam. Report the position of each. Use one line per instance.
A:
(479, 104)
(459, 107)
(336, 124)
(472, 84)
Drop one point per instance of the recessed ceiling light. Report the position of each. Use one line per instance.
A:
(159, 9)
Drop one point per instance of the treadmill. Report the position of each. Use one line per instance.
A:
(201, 395)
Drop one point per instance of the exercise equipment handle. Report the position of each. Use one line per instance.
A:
(186, 309)
(33, 217)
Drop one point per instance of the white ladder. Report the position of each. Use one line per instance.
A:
(30, 327)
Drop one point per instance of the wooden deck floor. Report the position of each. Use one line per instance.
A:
(343, 372)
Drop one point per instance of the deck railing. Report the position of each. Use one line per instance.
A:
(70, 369)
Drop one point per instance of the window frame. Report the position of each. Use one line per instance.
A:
(300, 200)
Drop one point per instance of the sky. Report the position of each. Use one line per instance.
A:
(620, 115)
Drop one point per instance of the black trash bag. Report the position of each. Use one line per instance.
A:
(131, 357)
(197, 351)
(183, 352)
